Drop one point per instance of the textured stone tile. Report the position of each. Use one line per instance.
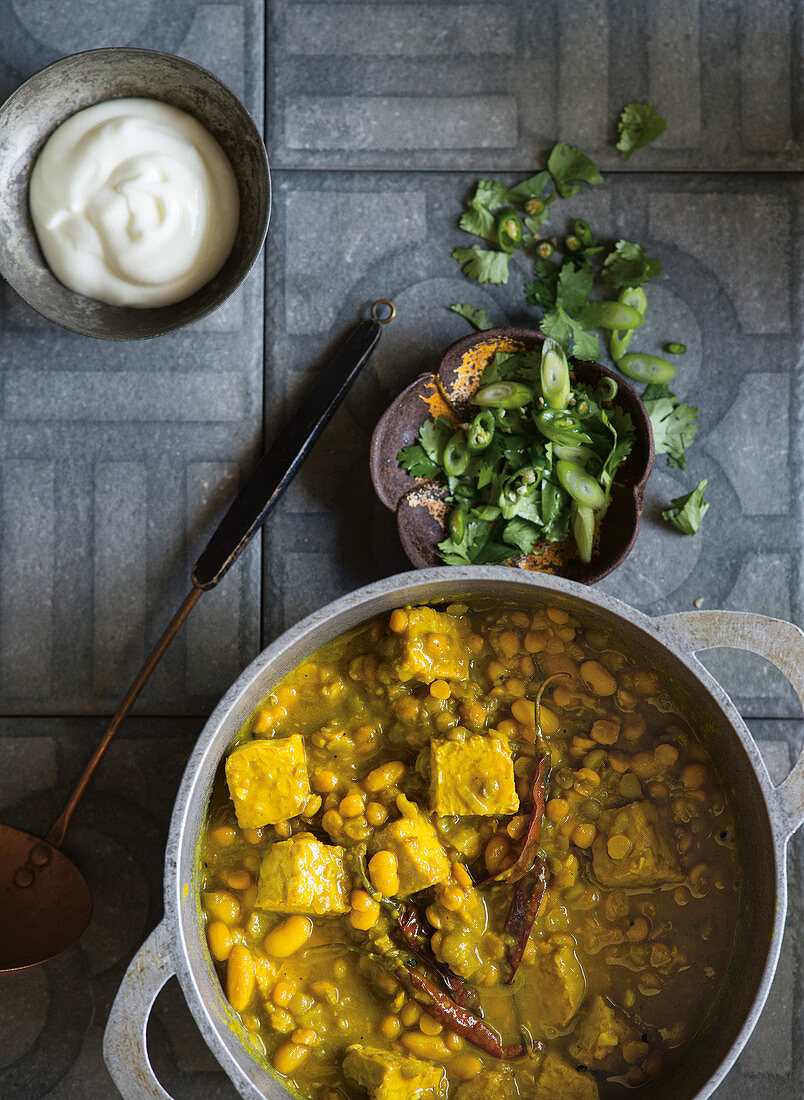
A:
(724, 74)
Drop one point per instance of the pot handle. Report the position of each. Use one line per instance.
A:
(125, 1050)
(778, 641)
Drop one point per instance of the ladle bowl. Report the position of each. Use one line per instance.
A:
(46, 903)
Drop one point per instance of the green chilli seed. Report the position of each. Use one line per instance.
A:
(646, 368)
(561, 427)
(555, 375)
(581, 486)
(583, 531)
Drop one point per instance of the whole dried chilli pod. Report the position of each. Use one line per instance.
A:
(530, 846)
(460, 1020)
(416, 933)
(522, 912)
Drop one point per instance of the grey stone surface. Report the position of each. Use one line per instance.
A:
(116, 461)
(726, 75)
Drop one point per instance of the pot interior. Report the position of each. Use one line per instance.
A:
(696, 697)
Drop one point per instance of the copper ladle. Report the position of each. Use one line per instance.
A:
(45, 902)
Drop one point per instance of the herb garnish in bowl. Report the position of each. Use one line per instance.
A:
(513, 453)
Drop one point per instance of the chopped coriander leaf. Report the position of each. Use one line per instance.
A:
(687, 512)
(521, 533)
(558, 324)
(477, 317)
(639, 123)
(483, 265)
(574, 288)
(479, 218)
(674, 423)
(434, 436)
(543, 291)
(629, 265)
(416, 461)
(567, 164)
(531, 188)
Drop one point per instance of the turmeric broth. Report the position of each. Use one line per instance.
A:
(469, 853)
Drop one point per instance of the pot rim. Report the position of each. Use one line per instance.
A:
(455, 579)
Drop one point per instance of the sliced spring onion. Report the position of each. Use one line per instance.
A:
(613, 315)
(555, 375)
(646, 368)
(633, 296)
(583, 530)
(574, 453)
(580, 485)
(503, 395)
(618, 344)
(607, 388)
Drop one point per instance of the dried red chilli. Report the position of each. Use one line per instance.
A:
(416, 932)
(522, 912)
(460, 1020)
(526, 859)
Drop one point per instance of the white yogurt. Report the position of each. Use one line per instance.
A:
(134, 203)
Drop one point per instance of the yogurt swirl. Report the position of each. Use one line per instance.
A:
(134, 203)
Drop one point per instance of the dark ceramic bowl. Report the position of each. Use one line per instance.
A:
(420, 504)
(31, 114)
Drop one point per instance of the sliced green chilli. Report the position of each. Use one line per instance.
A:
(503, 395)
(456, 455)
(583, 531)
(646, 368)
(555, 375)
(456, 523)
(509, 229)
(481, 432)
(676, 348)
(582, 231)
(580, 485)
(613, 315)
(561, 427)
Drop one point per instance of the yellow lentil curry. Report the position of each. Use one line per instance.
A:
(469, 853)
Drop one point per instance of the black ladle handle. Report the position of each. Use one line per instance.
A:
(277, 467)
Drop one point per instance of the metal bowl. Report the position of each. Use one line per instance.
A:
(767, 816)
(31, 114)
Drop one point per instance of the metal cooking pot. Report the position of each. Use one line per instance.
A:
(767, 816)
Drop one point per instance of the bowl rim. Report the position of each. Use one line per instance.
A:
(259, 241)
(181, 909)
